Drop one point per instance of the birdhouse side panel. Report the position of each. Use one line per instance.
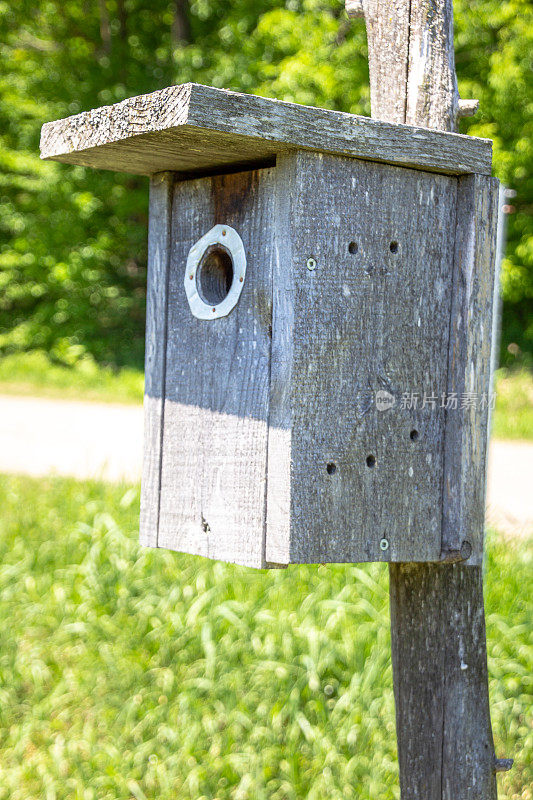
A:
(155, 351)
(469, 379)
(366, 297)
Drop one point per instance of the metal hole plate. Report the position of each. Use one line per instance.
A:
(229, 239)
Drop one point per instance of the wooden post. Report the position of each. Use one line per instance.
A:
(439, 656)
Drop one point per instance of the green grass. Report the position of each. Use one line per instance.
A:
(145, 674)
(33, 373)
(513, 416)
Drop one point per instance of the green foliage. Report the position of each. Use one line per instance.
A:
(72, 241)
(494, 55)
(127, 673)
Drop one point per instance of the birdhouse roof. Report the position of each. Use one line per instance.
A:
(195, 129)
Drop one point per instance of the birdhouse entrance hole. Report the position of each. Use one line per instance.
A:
(215, 274)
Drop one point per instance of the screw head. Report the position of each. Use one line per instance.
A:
(311, 264)
(384, 544)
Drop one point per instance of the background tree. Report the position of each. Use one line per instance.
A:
(73, 242)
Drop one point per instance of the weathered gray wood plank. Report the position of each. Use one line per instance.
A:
(213, 475)
(469, 371)
(155, 354)
(279, 474)
(194, 128)
(372, 316)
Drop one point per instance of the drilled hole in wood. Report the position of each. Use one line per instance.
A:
(466, 550)
(331, 468)
(393, 247)
(353, 247)
(215, 274)
(371, 461)
(413, 435)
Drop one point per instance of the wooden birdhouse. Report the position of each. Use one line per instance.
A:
(319, 313)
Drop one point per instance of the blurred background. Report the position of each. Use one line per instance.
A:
(127, 674)
(73, 241)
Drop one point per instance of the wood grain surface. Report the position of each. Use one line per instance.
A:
(155, 353)
(445, 745)
(213, 470)
(193, 128)
(359, 483)
(467, 430)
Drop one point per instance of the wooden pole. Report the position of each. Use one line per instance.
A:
(439, 658)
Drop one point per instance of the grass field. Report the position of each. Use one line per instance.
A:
(513, 416)
(33, 374)
(149, 675)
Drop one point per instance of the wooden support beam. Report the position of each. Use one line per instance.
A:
(439, 655)
(412, 66)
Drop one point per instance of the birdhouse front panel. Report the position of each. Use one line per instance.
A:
(217, 385)
(319, 313)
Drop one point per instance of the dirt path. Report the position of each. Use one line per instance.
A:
(510, 487)
(85, 440)
(95, 440)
